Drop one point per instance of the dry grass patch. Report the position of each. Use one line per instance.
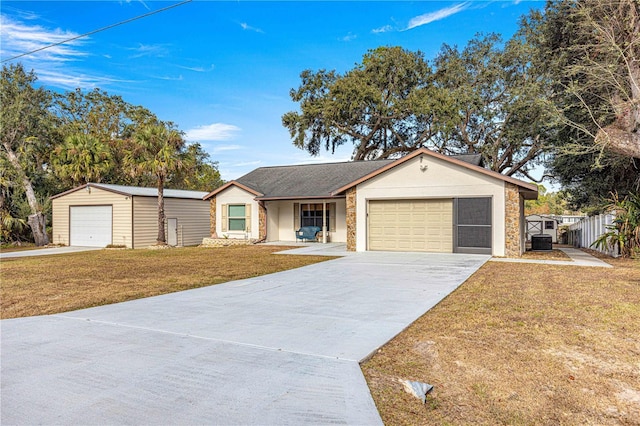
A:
(53, 284)
(522, 344)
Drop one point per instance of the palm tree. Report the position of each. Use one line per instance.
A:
(156, 151)
(82, 158)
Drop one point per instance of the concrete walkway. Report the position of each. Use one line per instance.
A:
(278, 349)
(578, 258)
(46, 251)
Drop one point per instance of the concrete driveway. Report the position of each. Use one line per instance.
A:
(278, 349)
(46, 251)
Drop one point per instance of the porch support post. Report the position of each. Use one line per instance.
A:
(324, 221)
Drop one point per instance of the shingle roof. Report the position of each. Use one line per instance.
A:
(308, 180)
(315, 180)
(139, 191)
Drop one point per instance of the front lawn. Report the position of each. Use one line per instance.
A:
(60, 283)
(521, 344)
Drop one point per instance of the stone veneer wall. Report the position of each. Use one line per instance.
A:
(212, 217)
(225, 242)
(351, 219)
(513, 247)
(262, 221)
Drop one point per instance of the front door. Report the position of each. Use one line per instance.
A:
(172, 231)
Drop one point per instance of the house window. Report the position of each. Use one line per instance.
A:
(311, 215)
(236, 217)
(548, 224)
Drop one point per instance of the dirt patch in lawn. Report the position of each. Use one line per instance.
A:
(554, 254)
(524, 344)
(61, 283)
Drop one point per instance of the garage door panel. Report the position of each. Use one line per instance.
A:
(411, 225)
(90, 226)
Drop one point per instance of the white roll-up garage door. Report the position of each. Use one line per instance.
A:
(90, 226)
(411, 225)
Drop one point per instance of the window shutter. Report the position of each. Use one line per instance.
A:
(296, 216)
(247, 217)
(332, 217)
(225, 222)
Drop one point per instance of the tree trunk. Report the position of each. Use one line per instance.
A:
(161, 240)
(38, 224)
(36, 219)
(621, 141)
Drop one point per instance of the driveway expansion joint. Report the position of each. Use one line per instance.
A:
(211, 339)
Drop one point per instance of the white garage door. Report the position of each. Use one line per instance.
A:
(411, 225)
(90, 226)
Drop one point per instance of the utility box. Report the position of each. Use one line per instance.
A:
(541, 242)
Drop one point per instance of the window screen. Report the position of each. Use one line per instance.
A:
(474, 211)
(473, 225)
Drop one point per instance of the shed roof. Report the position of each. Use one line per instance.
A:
(311, 180)
(138, 191)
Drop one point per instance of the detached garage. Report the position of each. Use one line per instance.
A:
(96, 215)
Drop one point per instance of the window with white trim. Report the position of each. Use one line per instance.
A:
(236, 217)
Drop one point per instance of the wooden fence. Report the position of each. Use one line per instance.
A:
(588, 230)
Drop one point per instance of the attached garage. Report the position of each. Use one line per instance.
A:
(90, 226)
(96, 215)
(433, 203)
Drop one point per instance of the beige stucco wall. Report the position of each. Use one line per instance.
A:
(235, 195)
(280, 223)
(441, 179)
(121, 208)
(192, 216)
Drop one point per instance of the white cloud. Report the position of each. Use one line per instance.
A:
(142, 50)
(198, 69)
(427, 18)
(70, 79)
(54, 65)
(248, 27)
(169, 78)
(212, 132)
(384, 29)
(222, 148)
(137, 1)
(246, 163)
(18, 38)
(349, 37)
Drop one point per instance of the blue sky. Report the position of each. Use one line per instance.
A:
(222, 71)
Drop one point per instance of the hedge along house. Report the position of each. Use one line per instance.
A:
(97, 215)
(424, 201)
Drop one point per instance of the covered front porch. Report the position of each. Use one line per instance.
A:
(285, 217)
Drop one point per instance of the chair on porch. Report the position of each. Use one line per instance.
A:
(308, 233)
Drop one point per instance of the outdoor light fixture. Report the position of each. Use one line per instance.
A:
(423, 167)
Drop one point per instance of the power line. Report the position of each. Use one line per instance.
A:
(98, 30)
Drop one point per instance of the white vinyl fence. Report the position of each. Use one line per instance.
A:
(589, 229)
